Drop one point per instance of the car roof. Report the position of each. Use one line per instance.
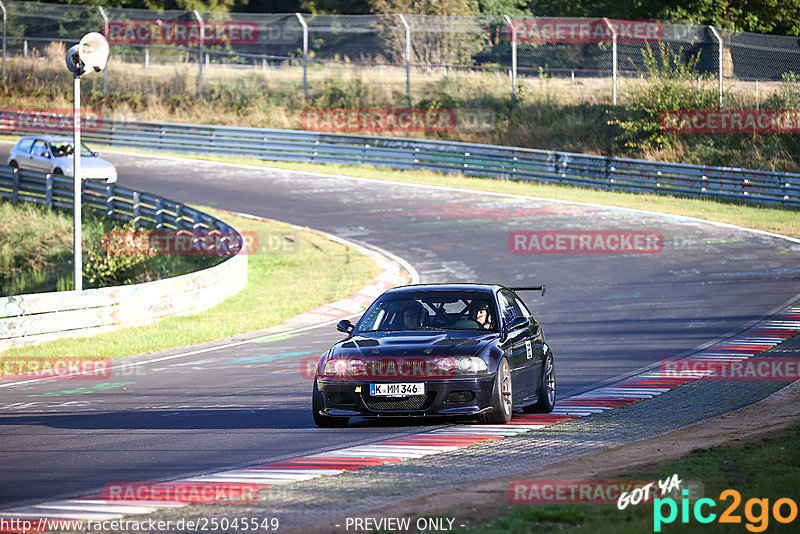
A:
(49, 138)
(446, 287)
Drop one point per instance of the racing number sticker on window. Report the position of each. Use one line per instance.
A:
(528, 349)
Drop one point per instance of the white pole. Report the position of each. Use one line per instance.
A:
(200, 56)
(305, 53)
(613, 60)
(76, 182)
(3, 7)
(513, 58)
(105, 33)
(718, 37)
(408, 58)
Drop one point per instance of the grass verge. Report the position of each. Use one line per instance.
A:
(768, 469)
(281, 283)
(769, 219)
(36, 252)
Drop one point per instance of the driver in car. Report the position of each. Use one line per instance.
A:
(411, 317)
(482, 316)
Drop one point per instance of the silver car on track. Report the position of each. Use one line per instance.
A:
(54, 155)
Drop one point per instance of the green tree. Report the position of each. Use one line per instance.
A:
(765, 16)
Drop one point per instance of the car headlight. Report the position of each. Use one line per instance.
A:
(343, 367)
(471, 365)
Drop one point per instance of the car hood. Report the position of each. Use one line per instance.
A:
(423, 344)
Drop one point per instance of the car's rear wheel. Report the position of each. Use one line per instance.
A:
(547, 388)
(13, 164)
(58, 172)
(502, 402)
(320, 419)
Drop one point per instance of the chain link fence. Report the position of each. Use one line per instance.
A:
(180, 55)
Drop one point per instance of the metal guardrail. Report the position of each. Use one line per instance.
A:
(38, 317)
(598, 172)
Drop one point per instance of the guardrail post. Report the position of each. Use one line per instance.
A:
(48, 191)
(408, 58)
(718, 37)
(137, 209)
(3, 7)
(305, 53)
(110, 202)
(200, 55)
(105, 33)
(613, 60)
(15, 186)
(513, 58)
(159, 214)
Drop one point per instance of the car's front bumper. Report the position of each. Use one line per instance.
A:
(450, 397)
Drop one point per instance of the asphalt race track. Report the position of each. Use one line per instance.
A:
(604, 315)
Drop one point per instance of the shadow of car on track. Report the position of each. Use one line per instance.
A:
(177, 419)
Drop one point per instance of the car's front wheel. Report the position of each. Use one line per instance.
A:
(58, 172)
(547, 388)
(501, 397)
(13, 164)
(320, 419)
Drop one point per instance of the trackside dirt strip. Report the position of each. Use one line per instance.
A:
(757, 339)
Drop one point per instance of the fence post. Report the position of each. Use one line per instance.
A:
(305, 53)
(15, 186)
(137, 209)
(109, 202)
(48, 191)
(105, 33)
(718, 37)
(200, 56)
(159, 213)
(3, 7)
(513, 58)
(613, 60)
(408, 59)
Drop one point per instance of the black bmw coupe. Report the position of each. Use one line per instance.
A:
(466, 350)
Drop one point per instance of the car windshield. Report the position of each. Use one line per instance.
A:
(64, 148)
(431, 310)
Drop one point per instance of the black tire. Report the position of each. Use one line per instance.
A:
(321, 420)
(13, 164)
(547, 388)
(502, 398)
(58, 172)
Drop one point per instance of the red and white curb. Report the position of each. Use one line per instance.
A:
(752, 342)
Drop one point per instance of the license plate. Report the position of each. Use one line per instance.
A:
(397, 390)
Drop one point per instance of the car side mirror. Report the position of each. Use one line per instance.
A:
(345, 326)
(516, 323)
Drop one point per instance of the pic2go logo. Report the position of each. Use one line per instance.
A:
(756, 511)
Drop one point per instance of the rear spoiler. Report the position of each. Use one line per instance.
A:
(541, 288)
